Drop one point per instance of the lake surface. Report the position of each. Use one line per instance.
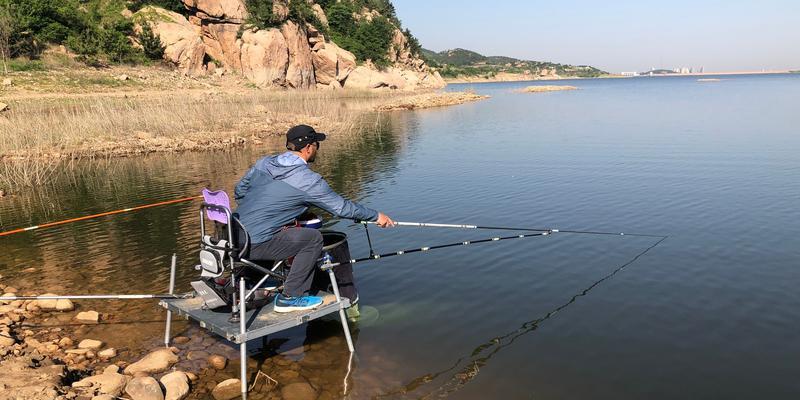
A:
(711, 312)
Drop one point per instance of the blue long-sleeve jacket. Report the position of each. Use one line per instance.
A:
(277, 189)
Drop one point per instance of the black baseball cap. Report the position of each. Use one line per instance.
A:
(302, 135)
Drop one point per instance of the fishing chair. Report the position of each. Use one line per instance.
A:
(224, 251)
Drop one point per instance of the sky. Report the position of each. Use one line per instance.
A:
(616, 36)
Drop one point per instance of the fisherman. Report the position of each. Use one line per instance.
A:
(273, 194)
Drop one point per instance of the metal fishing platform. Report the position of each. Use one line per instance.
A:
(259, 322)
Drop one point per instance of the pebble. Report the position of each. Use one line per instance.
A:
(157, 361)
(108, 353)
(181, 340)
(88, 316)
(65, 342)
(176, 385)
(217, 361)
(90, 344)
(6, 340)
(7, 82)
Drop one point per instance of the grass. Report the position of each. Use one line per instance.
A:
(38, 134)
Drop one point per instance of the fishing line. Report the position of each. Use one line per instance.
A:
(481, 354)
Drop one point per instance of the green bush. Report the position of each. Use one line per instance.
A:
(259, 14)
(151, 43)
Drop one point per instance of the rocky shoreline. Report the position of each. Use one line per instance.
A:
(431, 100)
(46, 354)
(545, 88)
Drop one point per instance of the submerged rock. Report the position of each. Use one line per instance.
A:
(110, 382)
(217, 361)
(298, 391)
(88, 316)
(90, 344)
(227, 390)
(157, 361)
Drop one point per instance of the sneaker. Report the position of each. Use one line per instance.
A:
(285, 304)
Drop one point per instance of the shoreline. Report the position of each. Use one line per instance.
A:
(610, 76)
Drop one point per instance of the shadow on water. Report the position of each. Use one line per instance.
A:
(465, 369)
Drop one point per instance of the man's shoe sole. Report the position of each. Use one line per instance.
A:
(292, 309)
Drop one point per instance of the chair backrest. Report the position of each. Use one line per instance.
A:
(217, 198)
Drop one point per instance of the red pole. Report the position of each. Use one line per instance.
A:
(124, 210)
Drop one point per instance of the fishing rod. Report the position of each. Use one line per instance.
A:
(506, 228)
(103, 214)
(101, 297)
(374, 256)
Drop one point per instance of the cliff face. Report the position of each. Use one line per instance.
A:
(214, 39)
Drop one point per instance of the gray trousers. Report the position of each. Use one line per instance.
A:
(305, 245)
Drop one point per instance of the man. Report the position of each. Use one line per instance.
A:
(273, 193)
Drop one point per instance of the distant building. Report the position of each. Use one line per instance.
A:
(629, 73)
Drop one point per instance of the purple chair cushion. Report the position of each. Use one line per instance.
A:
(217, 198)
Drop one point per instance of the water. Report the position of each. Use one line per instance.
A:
(709, 313)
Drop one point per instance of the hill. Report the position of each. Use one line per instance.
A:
(460, 63)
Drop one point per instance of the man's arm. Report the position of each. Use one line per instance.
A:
(321, 195)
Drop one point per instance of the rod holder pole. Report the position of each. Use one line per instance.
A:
(342, 315)
(171, 289)
(243, 335)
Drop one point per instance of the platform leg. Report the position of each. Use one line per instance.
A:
(171, 289)
(342, 315)
(243, 345)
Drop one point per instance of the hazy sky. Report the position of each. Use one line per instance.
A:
(616, 35)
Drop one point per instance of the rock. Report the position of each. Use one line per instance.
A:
(88, 316)
(144, 388)
(192, 377)
(3, 107)
(220, 10)
(320, 14)
(47, 305)
(64, 305)
(108, 353)
(104, 397)
(122, 77)
(176, 385)
(298, 391)
(65, 342)
(181, 340)
(110, 382)
(365, 78)
(221, 44)
(7, 82)
(157, 361)
(227, 390)
(182, 43)
(300, 73)
(217, 361)
(90, 344)
(30, 378)
(325, 64)
(76, 351)
(6, 339)
(264, 57)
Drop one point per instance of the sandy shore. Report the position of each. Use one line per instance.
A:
(430, 100)
(545, 88)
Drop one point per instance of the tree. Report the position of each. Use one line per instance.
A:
(151, 43)
(6, 30)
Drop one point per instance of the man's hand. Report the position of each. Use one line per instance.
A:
(384, 221)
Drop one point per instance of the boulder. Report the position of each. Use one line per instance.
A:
(47, 305)
(144, 388)
(227, 390)
(110, 382)
(64, 305)
(221, 10)
(88, 316)
(365, 78)
(183, 45)
(320, 14)
(3, 107)
(221, 44)
(176, 385)
(298, 391)
(346, 62)
(300, 73)
(325, 64)
(264, 57)
(157, 361)
(280, 10)
(90, 344)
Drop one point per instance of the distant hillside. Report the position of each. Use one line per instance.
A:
(467, 63)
